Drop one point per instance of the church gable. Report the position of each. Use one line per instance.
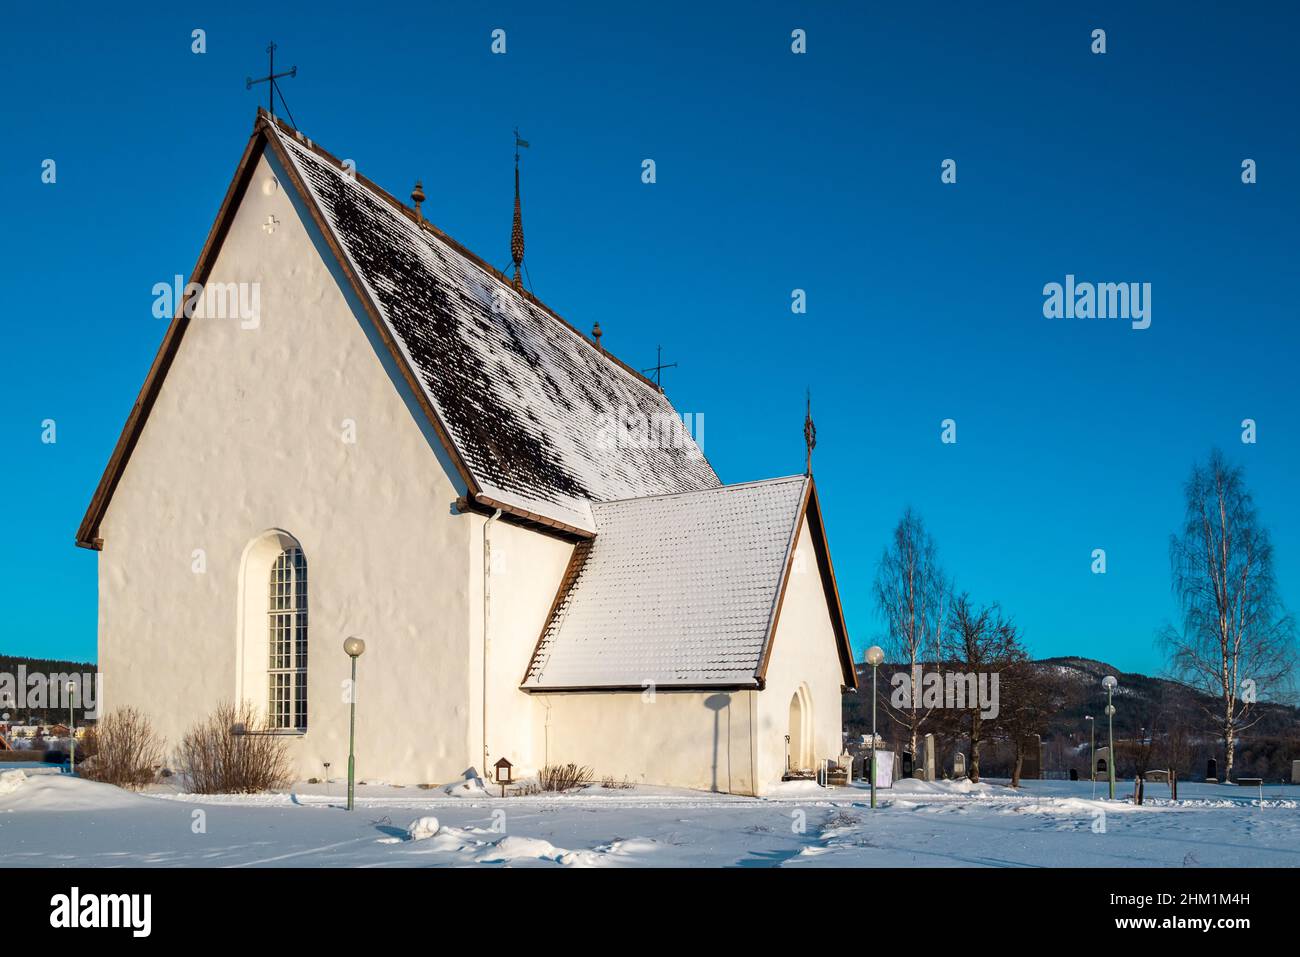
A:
(534, 417)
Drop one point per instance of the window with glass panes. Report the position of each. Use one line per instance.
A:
(287, 670)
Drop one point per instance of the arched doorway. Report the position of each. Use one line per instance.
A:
(799, 754)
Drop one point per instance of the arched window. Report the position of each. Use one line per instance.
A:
(286, 675)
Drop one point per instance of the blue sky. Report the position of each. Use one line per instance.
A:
(775, 171)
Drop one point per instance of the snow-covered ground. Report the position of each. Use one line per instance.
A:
(49, 819)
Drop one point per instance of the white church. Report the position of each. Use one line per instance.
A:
(356, 427)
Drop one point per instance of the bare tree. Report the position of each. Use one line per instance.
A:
(1236, 640)
(912, 594)
(981, 641)
(1031, 695)
(1176, 721)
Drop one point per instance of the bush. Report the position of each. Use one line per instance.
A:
(232, 751)
(87, 745)
(563, 777)
(124, 751)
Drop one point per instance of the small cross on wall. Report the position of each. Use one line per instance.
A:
(270, 224)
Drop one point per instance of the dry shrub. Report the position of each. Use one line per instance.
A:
(610, 783)
(88, 745)
(563, 777)
(123, 750)
(232, 751)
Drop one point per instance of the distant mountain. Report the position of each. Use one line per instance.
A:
(1139, 699)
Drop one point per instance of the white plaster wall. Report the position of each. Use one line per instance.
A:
(804, 650)
(681, 738)
(246, 437)
(527, 569)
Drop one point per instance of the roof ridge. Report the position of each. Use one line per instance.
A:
(281, 128)
(702, 491)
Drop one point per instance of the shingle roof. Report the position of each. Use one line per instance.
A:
(674, 589)
(531, 406)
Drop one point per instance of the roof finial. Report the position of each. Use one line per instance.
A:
(596, 333)
(417, 197)
(517, 231)
(809, 432)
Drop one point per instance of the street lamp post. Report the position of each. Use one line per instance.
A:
(1109, 684)
(72, 728)
(1092, 752)
(354, 647)
(875, 655)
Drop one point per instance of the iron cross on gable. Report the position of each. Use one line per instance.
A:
(659, 367)
(271, 77)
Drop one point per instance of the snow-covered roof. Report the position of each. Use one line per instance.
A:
(532, 407)
(674, 589)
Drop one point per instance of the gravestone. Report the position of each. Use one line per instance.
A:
(927, 758)
(846, 762)
(1101, 765)
(1211, 771)
(1295, 772)
(959, 765)
(1032, 767)
(886, 765)
(1074, 774)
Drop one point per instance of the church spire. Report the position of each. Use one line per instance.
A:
(809, 432)
(517, 230)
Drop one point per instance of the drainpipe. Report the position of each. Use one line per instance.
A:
(487, 613)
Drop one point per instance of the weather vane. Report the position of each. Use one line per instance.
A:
(809, 431)
(517, 228)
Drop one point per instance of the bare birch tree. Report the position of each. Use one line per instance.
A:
(911, 593)
(1237, 641)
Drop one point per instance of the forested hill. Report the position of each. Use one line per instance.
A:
(9, 665)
